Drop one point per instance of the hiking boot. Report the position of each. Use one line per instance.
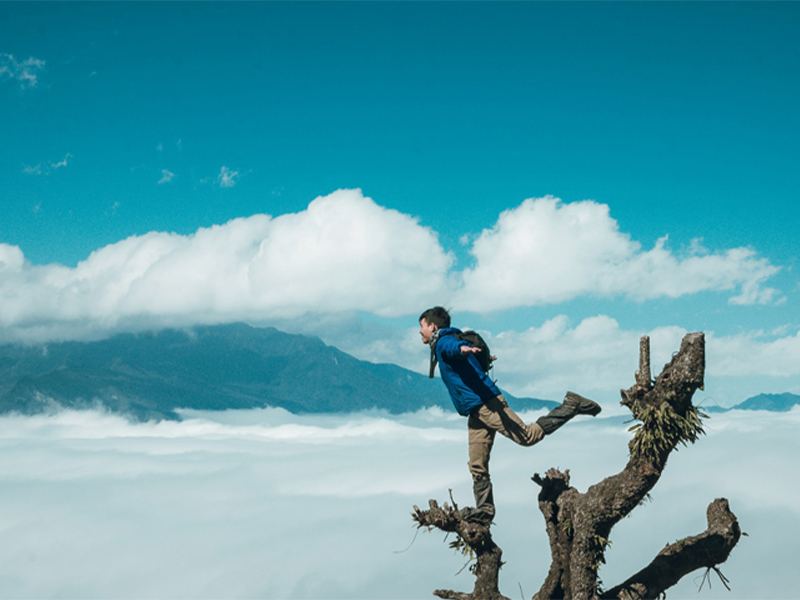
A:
(481, 516)
(483, 513)
(583, 406)
(573, 405)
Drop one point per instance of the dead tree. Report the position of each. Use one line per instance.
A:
(579, 524)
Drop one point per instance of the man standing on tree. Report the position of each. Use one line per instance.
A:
(475, 396)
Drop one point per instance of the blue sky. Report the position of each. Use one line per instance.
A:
(134, 121)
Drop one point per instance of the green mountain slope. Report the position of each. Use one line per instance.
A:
(149, 376)
(772, 402)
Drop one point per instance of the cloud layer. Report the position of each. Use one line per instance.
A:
(263, 504)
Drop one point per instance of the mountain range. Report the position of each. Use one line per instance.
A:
(151, 376)
(771, 402)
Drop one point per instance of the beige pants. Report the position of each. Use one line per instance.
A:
(494, 415)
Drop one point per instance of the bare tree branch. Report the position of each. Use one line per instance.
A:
(478, 541)
(708, 549)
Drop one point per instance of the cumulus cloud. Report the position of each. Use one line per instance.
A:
(545, 251)
(756, 353)
(25, 72)
(594, 356)
(599, 357)
(11, 259)
(166, 176)
(227, 178)
(344, 252)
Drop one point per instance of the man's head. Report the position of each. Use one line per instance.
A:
(431, 320)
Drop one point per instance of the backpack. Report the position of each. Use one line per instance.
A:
(485, 358)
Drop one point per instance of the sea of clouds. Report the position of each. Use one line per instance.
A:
(265, 504)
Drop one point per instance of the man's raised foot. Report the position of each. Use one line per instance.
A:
(583, 406)
(573, 405)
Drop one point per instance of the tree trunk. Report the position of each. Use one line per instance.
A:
(579, 524)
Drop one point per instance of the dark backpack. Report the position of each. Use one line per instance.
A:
(485, 358)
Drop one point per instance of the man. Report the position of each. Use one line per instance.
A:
(475, 396)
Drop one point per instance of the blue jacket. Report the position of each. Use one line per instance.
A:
(466, 381)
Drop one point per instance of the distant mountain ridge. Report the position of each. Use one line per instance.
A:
(151, 376)
(771, 402)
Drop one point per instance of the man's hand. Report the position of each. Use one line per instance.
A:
(469, 349)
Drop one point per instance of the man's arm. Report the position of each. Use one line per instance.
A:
(450, 347)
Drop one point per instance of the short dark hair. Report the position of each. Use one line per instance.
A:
(437, 316)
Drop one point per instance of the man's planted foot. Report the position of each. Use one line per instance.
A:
(481, 516)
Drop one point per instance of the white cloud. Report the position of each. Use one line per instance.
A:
(595, 356)
(47, 169)
(62, 162)
(26, 72)
(35, 170)
(754, 353)
(598, 357)
(343, 253)
(166, 176)
(545, 252)
(11, 259)
(227, 178)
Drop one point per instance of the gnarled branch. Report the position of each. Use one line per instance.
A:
(708, 549)
(478, 539)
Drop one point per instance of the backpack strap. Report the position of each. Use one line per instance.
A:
(434, 360)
